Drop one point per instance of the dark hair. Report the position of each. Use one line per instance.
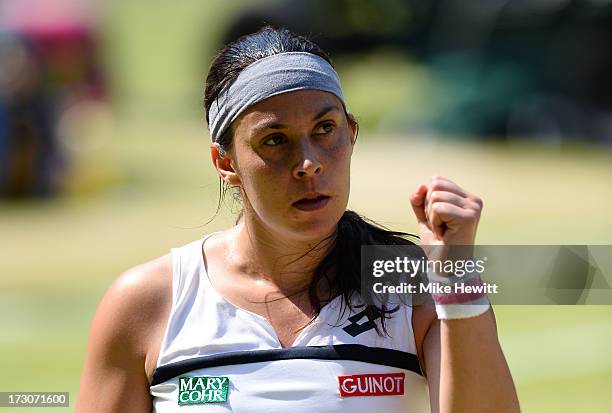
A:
(340, 269)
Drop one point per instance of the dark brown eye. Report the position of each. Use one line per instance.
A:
(274, 140)
(325, 128)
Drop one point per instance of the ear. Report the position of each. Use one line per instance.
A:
(355, 132)
(223, 163)
(353, 125)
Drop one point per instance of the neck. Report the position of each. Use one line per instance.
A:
(287, 263)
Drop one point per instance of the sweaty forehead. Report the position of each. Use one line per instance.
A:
(289, 107)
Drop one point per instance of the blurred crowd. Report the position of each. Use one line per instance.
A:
(49, 62)
(499, 69)
(495, 69)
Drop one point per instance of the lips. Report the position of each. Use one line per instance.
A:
(312, 202)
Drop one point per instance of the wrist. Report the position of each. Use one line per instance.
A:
(458, 296)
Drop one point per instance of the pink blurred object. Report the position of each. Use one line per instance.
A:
(64, 35)
(48, 17)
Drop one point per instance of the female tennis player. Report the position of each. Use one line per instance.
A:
(267, 316)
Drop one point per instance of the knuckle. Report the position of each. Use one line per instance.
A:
(472, 214)
(435, 196)
(474, 205)
(437, 184)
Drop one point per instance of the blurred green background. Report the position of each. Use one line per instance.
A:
(140, 181)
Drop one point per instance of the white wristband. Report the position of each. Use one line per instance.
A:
(459, 297)
(473, 309)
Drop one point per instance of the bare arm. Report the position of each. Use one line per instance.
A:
(466, 368)
(114, 378)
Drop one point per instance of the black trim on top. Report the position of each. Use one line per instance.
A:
(353, 352)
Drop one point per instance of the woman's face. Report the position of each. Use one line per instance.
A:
(291, 157)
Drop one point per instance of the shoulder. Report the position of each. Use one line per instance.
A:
(126, 324)
(134, 303)
(144, 287)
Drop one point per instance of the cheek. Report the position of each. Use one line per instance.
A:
(264, 183)
(253, 171)
(339, 159)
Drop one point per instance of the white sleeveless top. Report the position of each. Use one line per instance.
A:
(216, 357)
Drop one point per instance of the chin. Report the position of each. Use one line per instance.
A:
(315, 233)
(315, 229)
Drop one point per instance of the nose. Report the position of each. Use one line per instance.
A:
(308, 164)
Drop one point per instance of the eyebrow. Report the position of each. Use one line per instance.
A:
(275, 125)
(325, 110)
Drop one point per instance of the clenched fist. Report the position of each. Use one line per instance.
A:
(446, 213)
